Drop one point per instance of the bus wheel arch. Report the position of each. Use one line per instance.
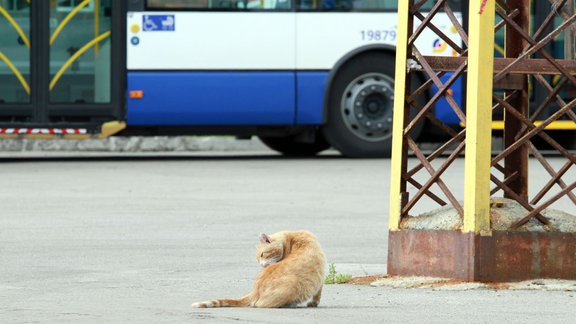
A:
(359, 102)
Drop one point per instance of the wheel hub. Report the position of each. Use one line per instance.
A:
(367, 106)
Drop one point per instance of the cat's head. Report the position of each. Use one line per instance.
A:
(269, 251)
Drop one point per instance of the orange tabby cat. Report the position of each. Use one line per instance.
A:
(293, 273)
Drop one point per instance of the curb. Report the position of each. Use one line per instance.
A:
(135, 144)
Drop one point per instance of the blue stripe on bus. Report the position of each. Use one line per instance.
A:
(310, 98)
(212, 98)
(443, 110)
(239, 98)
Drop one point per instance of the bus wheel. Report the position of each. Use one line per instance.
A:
(293, 145)
(360, 106)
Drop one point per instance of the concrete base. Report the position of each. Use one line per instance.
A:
(502, 257)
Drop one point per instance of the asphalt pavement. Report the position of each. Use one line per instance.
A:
(136, 238)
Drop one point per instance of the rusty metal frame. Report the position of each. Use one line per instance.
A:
(521, 63)
(424, 110)
(477, 251)
(518, 66)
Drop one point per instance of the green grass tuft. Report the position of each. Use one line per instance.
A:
(336, 278)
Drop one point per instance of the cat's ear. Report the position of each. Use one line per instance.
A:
(264, 239)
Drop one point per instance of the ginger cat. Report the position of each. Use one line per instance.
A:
(293, 272)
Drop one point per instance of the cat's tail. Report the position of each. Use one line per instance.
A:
(240, 302)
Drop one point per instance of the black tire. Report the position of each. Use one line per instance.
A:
(292, 146)
(360, 105)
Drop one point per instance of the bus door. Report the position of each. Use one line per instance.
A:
(61, 66)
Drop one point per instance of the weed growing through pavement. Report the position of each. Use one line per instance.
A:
(335, 278)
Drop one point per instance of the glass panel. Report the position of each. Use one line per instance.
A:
(14, 51)
(220, 5)
(354, 5)
(80, 51)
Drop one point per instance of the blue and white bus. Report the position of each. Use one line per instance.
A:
(302, 75)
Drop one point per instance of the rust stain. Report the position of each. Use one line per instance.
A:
(503, 257)
(365, 280)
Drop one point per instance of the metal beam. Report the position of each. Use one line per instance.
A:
(401, 87)
(479, 117)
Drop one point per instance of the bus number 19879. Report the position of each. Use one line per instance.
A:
(378, 35)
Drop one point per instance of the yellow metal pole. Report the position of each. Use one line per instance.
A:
(397, 163)
(75, 57)
(15, 25)
(479, 117)
(65, 21)
(96, 25)
(16, 72)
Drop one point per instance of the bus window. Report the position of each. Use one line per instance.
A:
(351, 5)
(175, 4)
(347, 5)
(77, 77)
(14, 52)
(219, 5)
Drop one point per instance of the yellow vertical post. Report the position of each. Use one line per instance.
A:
(398, 122)
(479, 117)
(96, 25)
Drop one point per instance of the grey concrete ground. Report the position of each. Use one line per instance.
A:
(136, 240)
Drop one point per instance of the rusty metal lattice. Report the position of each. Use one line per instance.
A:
(428, 66)
(526, 63)
(526, 87)
(519, 130)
